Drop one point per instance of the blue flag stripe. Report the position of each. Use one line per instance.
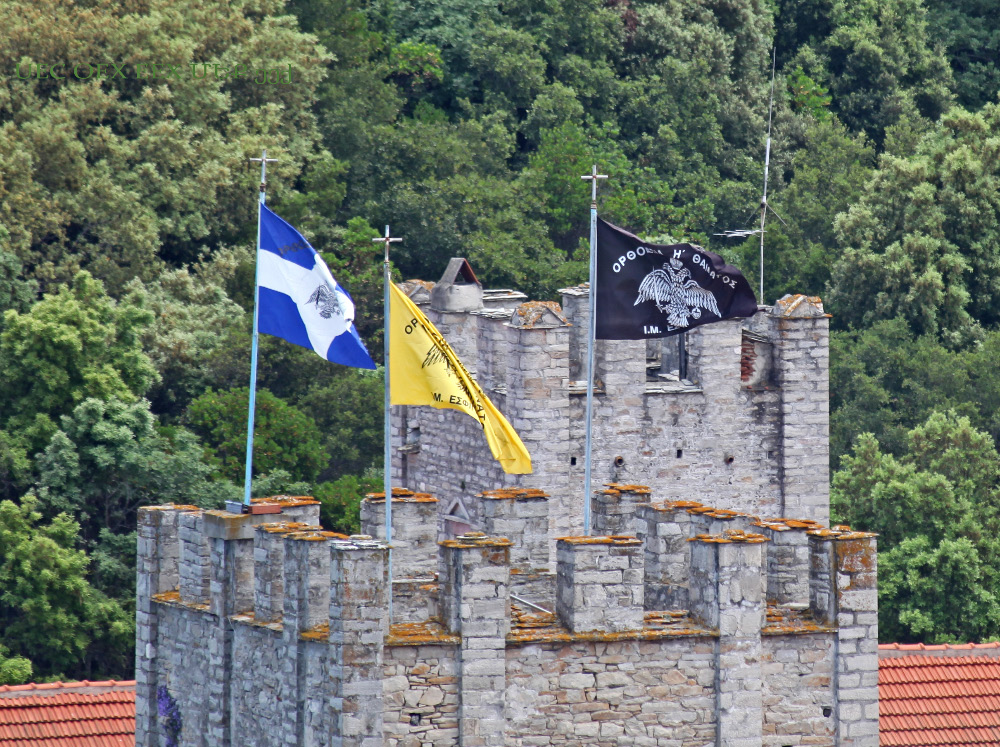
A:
(278, 236)
(279, 316)
(348, 350)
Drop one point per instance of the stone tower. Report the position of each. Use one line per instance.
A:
(711, 607)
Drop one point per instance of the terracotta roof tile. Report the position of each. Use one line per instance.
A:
(939, 695)
(68, 714)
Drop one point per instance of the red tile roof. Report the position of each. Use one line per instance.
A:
(939, 695)
(68, 714)
(942, 649)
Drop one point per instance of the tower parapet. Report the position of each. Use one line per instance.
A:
(292, 644)
(743, 424)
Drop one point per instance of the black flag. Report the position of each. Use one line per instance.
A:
(651, 290)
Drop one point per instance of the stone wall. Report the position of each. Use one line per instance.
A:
(797, 694)
(612, 693)
(421, 695)
(293, 646)
(747, 430)
(292, 677)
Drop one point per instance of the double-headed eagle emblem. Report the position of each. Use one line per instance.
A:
(326, 301)
(676, 294)
(435, 355)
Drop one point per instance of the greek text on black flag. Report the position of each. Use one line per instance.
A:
(651, 290)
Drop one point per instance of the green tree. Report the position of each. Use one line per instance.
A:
(107, 459)
(121, 173)
(808, 95)
(921, 242)
(695, 100)
(277, 482)
(885, 380)
(340, 500)
(936, 593)
(284, 436)
(16, 474)
(49, 613)
(877, 59)
(14, 670)
(937, 512)
(970, 34)
(349, 413)
(637, 197)
(194, 324)
(71, 345)
(16, 292)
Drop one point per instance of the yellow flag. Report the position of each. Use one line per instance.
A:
(424, 370)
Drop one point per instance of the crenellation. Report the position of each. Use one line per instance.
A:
(472, 661)
(801, 360)
(306, 561)
(667, 553)
(193, 557)
(299, 508)
(414, 529)
(231, 558)
(269, 567)
(536, 407)
(492, 349)
(788, 560)
(727, 593)
(521, 513)
(358, 626)
(856, 561)
(599, 583)
(475, 572)
(613, 509)
(157, 572)
(822, 575)
(708, 520)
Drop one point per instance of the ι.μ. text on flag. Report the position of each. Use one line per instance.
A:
(424, 370)
(653, 290)
(300, 301)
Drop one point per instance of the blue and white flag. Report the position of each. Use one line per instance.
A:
(300, 301)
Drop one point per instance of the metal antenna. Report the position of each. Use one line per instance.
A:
(742, 233)
(767, 163)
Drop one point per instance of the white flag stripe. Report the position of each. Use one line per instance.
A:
(300, 283)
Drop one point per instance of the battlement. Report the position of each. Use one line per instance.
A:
(273, 632)
(736, 417)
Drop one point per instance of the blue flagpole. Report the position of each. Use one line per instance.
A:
(386, 430)
(592, 294)
(253, 348)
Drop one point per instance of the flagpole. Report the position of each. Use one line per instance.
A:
(593, 177)
(386, 431)
(264, 160)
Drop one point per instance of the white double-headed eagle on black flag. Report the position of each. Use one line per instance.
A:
(655, 290)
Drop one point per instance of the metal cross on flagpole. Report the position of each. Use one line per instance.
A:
(386, 434)
(593, 177)
(264, 161)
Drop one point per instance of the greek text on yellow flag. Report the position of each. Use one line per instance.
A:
(424, 370)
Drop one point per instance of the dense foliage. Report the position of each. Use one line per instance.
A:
(127, 229)
(937, 511)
